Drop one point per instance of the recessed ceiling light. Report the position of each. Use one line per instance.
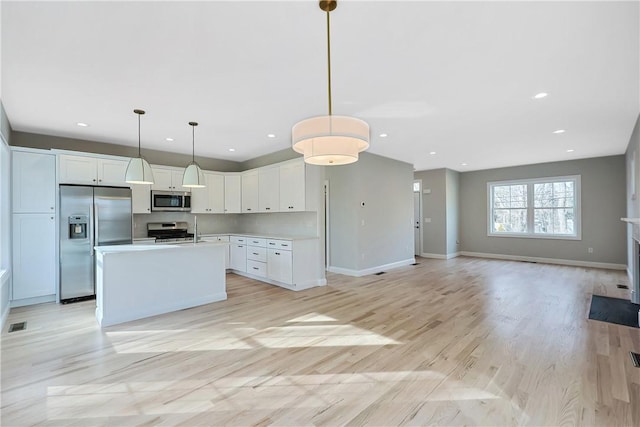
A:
(82, 125)
(570, 150)
(432, 153)
(463, 164)
(383, 135)
(559, 131)
(169, 139)
(271, 135)
(232, 149)
(540, 95)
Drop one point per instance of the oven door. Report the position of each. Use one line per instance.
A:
(170, 201)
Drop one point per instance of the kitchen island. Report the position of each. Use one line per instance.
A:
(138, 281)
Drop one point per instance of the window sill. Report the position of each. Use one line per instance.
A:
(534, 236)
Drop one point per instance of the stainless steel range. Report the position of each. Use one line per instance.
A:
(166, 232)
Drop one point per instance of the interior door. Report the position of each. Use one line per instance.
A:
(417, 214)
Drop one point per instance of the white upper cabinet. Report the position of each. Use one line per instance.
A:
(34, 182)
(211, 198)
(92, 170)
(140, 199)
(232, 193)
(250, 191)
(292, 186)
(167, 179)
(112, 172)
(268, 189)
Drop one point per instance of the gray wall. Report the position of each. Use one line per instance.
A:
(381, 231)
(453, 211)
(603, 204)
(34, 140)
(269, 159)
(434, 206)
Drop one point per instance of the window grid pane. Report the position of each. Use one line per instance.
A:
(553, 211)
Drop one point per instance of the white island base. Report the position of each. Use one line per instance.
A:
(138, 281)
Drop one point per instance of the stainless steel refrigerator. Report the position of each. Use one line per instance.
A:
(89, 216)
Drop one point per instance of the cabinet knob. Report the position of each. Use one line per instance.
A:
(277, 253)
(99, 180)
(51, 217)
(94, 180)
(268, 209)
(51, 208)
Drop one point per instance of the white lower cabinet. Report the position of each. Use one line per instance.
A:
(257, 256)
(291, 264)
(238, 254)
(34, 255)
(280, 265)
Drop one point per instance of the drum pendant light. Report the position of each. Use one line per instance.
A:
(330, 140)
(138, 170)
(193, 177)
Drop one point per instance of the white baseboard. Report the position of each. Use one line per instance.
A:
(31, 301)
(571, 262)
(440, 256)
(435, 256)
(372, 270)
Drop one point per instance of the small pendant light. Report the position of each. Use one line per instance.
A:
(138, 170)
(193, 176)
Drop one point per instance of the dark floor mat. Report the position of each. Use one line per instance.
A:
(614, 310)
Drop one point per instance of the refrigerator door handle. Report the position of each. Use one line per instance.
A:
(93, 230)
(96, 227)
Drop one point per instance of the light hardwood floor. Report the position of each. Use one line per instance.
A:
(459, 342)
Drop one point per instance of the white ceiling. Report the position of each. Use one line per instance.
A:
(456, 78)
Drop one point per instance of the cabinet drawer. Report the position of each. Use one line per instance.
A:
(257, 254)
(222, 238)
(256, 241)
(257, 268)
(238, 239)
(286, 245)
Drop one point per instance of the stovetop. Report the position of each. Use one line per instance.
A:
(169, 232)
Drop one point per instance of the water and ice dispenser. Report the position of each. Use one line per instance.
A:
(78, 226)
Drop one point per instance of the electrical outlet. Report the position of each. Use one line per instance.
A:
(590, 250)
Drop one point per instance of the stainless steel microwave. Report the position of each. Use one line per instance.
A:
(171, 201)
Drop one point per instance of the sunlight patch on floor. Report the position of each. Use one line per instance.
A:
(250, 393)
(312, 317)
(160, 341)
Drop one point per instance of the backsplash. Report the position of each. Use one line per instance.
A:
(207, 223)
(284, 223)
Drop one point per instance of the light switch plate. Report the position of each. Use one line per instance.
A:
(427, 220)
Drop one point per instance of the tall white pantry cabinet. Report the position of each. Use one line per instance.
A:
(33, 227)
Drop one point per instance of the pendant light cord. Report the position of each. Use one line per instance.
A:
(139, 155)
(193, 143)
(329, 60)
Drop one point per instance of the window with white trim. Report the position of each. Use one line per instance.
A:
(543, 208)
